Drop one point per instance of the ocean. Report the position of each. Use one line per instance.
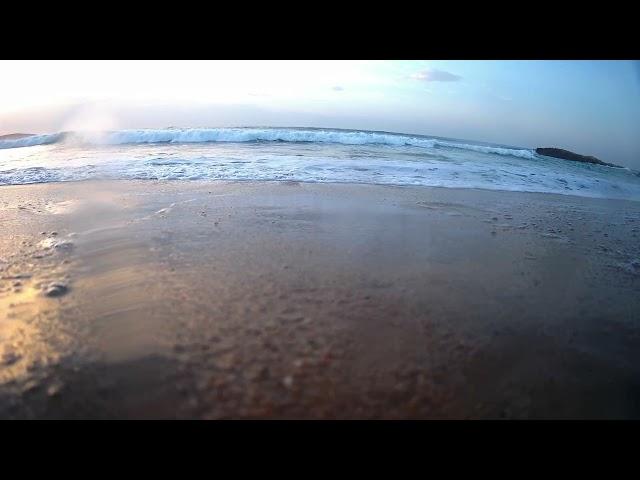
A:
(305, 155)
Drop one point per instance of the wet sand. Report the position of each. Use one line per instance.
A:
(217, 300)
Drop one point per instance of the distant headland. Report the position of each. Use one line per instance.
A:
(575, 157)
(15, 136)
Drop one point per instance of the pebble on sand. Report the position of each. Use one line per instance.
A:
(54, 389)
(56, 290)
(9, 358)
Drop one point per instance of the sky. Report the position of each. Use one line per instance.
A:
(591, 107)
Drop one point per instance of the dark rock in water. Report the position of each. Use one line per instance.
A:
(575, 157)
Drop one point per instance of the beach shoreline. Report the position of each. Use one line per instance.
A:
(218, 299)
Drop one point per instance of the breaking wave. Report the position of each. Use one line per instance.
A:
(31, 140)
(231, 135)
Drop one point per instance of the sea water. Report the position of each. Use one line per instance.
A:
(306, 155)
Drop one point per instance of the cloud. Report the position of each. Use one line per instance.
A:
(337, 88)
(433, 75)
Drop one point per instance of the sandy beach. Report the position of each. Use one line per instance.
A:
(225, 300)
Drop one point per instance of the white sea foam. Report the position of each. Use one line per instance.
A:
(203, 135)
(515, 152)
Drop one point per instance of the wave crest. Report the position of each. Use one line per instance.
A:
(232, 135)
(31, 140)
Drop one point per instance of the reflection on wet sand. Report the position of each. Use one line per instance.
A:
(82, 317)
(33, 344)
(124, 297)
(23, 345)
